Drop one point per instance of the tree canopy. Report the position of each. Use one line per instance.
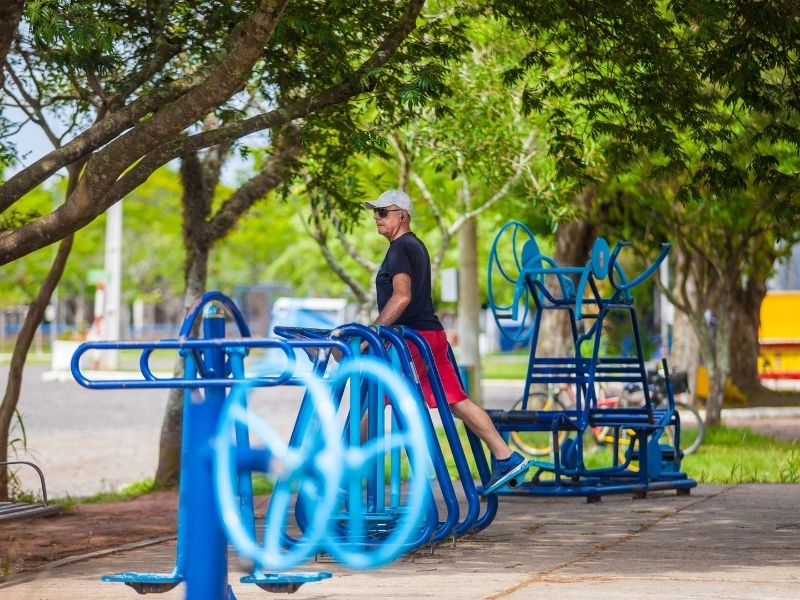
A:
(645, 76)
(172, 63)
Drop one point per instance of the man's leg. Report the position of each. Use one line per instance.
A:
(481, 425)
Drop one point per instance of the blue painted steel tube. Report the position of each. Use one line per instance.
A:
(206, 560)
(379, 408)
(449, 525)
(448, 423)
(492, 502)
(207, 567)
(358, 333)
(354, 500)
(190, 371)
(362, 396)
(484, 470)
(207, 298)
(236, 361)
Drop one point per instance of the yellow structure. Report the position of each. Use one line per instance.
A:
(732, 395)
(779, 336)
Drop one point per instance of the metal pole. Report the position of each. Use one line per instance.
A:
(207, 559)
(666, 310)
(113, 269)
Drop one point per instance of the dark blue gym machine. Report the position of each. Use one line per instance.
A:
(523, 284)
(394, 349)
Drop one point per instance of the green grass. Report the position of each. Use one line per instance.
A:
(508, 365)
(733, 455)
(727, 456)
(129, 492)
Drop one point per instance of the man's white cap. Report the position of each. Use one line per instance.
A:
(397, 197)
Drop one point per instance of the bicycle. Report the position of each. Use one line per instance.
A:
(558, 398)
(539, 443)
(692, 428)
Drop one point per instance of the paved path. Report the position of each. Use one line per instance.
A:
(727, 542)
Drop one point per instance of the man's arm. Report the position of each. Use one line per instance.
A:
(400, 299)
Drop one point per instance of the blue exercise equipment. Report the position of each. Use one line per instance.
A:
(218, 458)
(392, 345)
(523, 284)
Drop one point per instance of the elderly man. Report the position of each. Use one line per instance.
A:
(403, 286)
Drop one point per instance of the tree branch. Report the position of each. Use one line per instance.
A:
(334, 95)
(273, 173)
(350, 248)
(155, 139)
(522, 161)
(318, 234)
(88, 141)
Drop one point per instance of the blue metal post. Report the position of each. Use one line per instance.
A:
(355, 502)
(236, 358)
(206, 561)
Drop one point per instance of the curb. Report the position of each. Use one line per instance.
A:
(35, 573)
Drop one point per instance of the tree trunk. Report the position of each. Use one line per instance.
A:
(169, 453)
(201, 230)
(199, 182)
(10, 13)
(716, 353)
(33, 319)
(573, 244)
(469, 307)
(744, 348)
(685, 353)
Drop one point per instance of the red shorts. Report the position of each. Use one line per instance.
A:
(437, 340)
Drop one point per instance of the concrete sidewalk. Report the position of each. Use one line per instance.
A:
(721, 542)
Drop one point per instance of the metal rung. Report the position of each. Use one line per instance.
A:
(543, 418)
(10, 511)
(375, 517)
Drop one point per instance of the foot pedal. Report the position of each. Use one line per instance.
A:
(145, 583)
(284, 583)
(513, 478)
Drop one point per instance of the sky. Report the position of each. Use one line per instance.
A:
(32, 144)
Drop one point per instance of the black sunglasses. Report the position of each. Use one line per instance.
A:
(384, 212)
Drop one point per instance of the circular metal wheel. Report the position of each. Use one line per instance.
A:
(312, 471)
(508, 292)
(314, 474)
(369, 544)
(692, 429)
(537, 443)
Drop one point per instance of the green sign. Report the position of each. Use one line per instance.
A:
(95, 276)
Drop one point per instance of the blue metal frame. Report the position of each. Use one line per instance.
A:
(371, 508)
(213, 365)
(393, 345)
(658, 467)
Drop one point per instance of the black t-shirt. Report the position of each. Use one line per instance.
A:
(407, 254)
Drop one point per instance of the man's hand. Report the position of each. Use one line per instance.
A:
(365, 344)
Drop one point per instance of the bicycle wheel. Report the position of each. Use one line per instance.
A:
(693, 430)
(537, 443)
(605, 438)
